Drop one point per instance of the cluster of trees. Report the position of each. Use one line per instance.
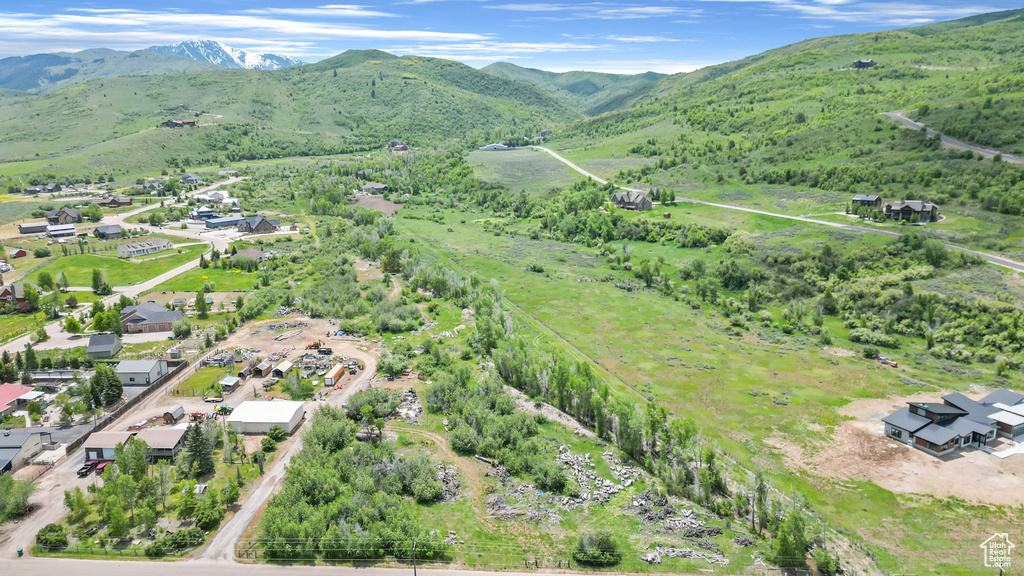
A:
(136, 492)
(344, 501)
(13, 496)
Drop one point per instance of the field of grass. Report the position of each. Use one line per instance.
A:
(14, 325)
(118, 272)
(200, 382)
(693, 362)
(193, 280)
(526, 170)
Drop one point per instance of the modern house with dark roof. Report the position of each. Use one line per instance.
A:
(958, 422)
(18, 446)
(115, 202)
(258, 225)
(64, 216)
(108, 232)
(374, 188)
(863, 63)
(149, 317)
(103, 346)
(906, 209)
(190, 179)
(630, 200)
(869, 200)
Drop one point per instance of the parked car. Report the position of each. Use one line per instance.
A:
(87, 468)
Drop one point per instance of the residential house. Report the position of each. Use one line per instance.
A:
(204, 213)
(143, 247)
(9, 394)
(958, 422)
(496, 146)
(14, 293)
(18, 253)
(224, 222)
(115, 202)
(864, 63)
(109, 232)
(64, 215)
(34, 190)
(190, 179)
(904, 210)
(152, 186)
(365, 173)
(32, 227)
(52, 187)
(163, 442)
(180, 123)
(19, 446)
(258, 225)
(374, 188)
(868, 200)
(149, 317)
(103, 346)
(631, 200)
(141, 372)
(398, 146)
(61, 230)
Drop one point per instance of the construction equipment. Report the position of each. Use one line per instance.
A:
(224, 410)
(314, 345)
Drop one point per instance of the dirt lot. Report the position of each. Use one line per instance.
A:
(860, 450)
(368, 270)
(377, 203)
(219, 298)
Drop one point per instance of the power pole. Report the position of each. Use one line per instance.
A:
(414, 557)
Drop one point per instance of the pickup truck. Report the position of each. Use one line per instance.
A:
(87, 468)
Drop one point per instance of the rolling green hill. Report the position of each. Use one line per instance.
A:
(44, 72)
(591, 93)
(356, 101)
(800, 118)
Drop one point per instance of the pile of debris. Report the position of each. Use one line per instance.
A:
(449, 478)
(410, 409)
(743, 541)
(276, 357)
(620, 471)
(288, 325)
(716, 558)
(498, 507)
(657, 509)
(453, 539)
(706, 531)
(284, 311)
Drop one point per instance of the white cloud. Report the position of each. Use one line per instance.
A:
(336, 10)
(634, 66)
(642, 39)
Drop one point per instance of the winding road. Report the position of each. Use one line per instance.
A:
(1000, 261)
(900, 117)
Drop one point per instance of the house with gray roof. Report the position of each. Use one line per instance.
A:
(869, 200)
(905, 210)
(19, 445)
(632, 200)
(103, 346)
(64, 216)
(958, 422)
(149, 317)
(143, 247)
(190, 179)
(108, 232)
(141, 372)
(258, 225)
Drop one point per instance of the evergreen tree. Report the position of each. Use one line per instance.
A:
(97, 280)
(197, 457)
(31, 363)
(202, 307)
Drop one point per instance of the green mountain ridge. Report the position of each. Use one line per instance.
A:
(355, 101)
(39, 73)
(591, 93)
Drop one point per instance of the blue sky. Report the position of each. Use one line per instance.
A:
(605, 35)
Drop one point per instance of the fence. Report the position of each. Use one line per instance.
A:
(128, 405)
(121, 552)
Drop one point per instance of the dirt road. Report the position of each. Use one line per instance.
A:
(900, 116)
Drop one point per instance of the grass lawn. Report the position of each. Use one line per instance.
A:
(691, 360)
(193, 280)
(199, 383)
(14, 325)
(117, 271)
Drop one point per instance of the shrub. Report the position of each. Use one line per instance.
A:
(464, 439)
(41, 252)
(156, 549)
(866, 336)
(827, 563)
(550, 477)
(276, 433)
(268, 445)
(426, 489)
(870, 352)
(52, 536)
(597, 549)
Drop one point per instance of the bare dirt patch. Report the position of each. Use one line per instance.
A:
(859, 450)
(841, 352)
(378, 203)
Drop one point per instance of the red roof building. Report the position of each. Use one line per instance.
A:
(8, 394)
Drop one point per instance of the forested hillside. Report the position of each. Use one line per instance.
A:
(356, 101)
(589, 92)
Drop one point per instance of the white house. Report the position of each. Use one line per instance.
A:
(18, 446)
(143, 248)
(140, 372)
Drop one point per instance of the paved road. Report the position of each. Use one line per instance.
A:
(902, 119)
(1000, 261)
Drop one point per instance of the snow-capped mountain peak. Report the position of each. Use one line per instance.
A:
(216, 53)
